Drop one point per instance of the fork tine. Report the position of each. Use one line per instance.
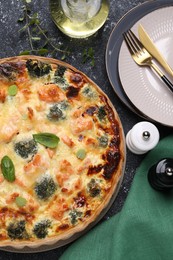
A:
(134, 45)
(135, 40)
(129, 44)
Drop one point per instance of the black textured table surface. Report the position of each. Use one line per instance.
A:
(13, 41)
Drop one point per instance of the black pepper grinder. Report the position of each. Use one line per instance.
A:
(160, 175)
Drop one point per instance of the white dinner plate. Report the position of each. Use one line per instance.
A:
(142, 86)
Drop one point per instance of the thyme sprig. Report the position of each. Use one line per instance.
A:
(39, 40)
(88, 55)
(36, 34)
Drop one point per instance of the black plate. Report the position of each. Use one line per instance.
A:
(115, 41)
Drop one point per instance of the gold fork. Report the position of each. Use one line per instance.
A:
(142, 57)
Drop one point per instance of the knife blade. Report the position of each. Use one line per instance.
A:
(151, 47)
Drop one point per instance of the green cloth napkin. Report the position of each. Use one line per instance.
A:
(144, 227)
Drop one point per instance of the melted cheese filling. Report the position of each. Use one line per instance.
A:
(26, 114)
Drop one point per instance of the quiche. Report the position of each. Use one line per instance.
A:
(62, 152)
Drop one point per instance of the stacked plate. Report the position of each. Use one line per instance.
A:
(139, 88)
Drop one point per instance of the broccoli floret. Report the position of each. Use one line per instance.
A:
(26, 148)
(17, 230)
(56, 112)
(45, 187)
(74, 215)
(101, 113)
(41, 228)
(103, 141)
(60, 71)
(61, 82)
(38, 68)
(93, 188)
(88, 92)
(59, 77)
(64, 105)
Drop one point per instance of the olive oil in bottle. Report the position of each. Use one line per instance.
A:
(79, 18)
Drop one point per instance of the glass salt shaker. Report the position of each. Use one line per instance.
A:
(79, 18)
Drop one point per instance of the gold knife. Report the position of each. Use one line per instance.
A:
(151, 47)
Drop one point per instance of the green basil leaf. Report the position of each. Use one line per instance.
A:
(47, 139)
(7, 168)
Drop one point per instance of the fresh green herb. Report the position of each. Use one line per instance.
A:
(42, 51)
(88, 55)
(47, 139)
(36, 38)
(21, 19)
(20, 201)
(12, 90)
(36, 34)
(81, 154)
(26, 52)
(40, 42)
(7, 168)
